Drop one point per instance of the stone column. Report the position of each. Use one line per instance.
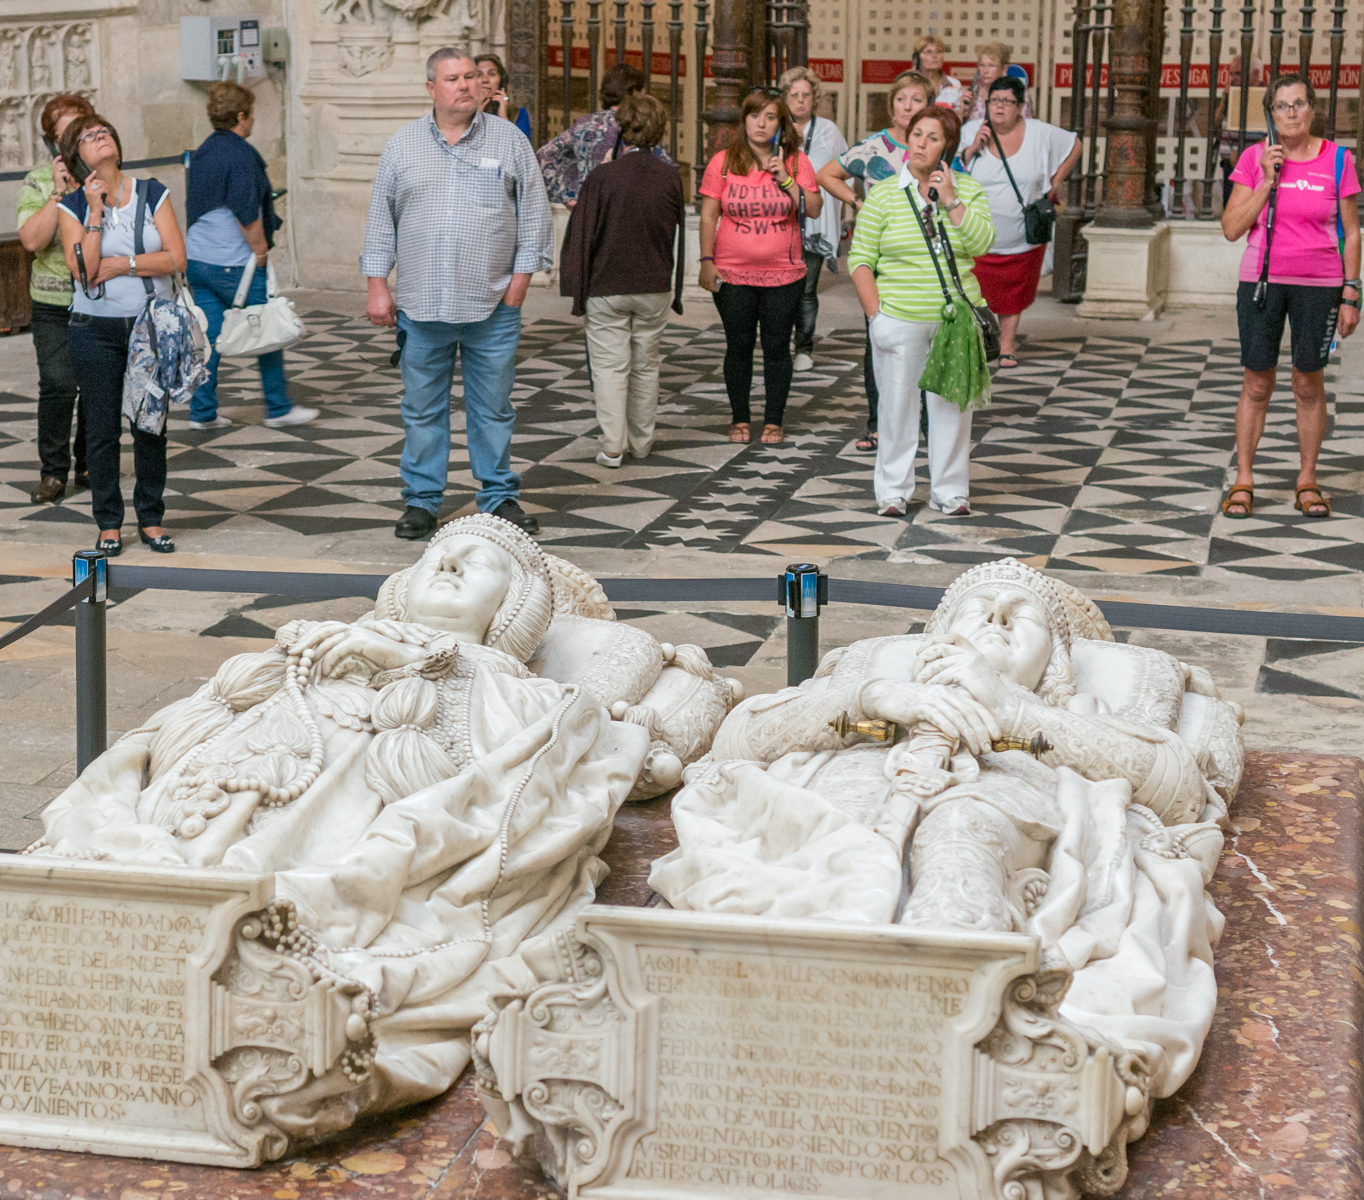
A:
(730, 66)
(1128, 269)
(1125, 160)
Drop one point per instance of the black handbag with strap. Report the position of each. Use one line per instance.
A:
(985, 319)
(1039, 217)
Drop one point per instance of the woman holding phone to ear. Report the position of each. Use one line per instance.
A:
(752, 255)
(1311, 276)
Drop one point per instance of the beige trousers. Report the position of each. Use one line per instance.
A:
(623, 336)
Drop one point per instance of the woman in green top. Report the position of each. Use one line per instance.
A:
(50, 289)
(892, 269)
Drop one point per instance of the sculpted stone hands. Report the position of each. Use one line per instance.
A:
(955, 662)
(336, 646)
(948, 709)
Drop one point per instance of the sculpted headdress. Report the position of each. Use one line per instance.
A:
(521, 620)
(1070, 615)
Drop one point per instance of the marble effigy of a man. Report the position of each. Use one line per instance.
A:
(1100, 842)
(432, 811)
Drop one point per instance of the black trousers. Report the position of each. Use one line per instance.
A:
(99, 353)
(808, 313)
(743, 309)
(57, 393)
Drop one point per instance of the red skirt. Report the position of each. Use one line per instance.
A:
(1009, 281)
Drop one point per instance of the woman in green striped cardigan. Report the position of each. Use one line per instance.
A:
(899, 289)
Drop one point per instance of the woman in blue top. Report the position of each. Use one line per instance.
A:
(231, 220)
(112, 274)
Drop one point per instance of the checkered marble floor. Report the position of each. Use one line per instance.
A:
(1105, 454)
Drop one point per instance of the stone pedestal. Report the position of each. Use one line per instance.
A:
(1203, 265)
(1128, 272)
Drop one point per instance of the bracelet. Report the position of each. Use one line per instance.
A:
(94, 228)
(787, 184)
(707, 258)
(1352, 303)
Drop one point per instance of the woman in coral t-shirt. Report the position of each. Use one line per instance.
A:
(752, 256)
(1312, 281)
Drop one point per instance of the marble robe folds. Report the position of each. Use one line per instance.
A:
(432, 898)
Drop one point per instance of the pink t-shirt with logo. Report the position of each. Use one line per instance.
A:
(757, 241)
(1304, 249)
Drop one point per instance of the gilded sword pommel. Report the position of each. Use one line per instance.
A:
(890, 731)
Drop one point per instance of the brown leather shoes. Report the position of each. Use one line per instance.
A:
(49, 488)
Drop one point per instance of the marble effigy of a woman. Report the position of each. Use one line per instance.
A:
(430, 810)
(1100, 843)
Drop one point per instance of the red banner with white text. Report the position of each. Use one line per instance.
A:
(1319, 74)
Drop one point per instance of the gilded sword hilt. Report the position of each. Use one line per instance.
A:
(890, 731)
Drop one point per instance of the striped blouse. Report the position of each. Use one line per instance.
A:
(888, 240)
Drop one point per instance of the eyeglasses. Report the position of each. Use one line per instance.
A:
(766, 91)
(1284, 109)
(1007, 101)
(92, 135)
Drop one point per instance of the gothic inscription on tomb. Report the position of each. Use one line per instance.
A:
(104, 1007)
(781, 1059)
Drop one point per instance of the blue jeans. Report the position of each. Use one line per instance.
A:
(487, 350)
(214, 289)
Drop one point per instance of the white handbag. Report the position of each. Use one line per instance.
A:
(250, 330)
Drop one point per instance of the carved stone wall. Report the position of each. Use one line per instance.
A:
(124, 55)
(360, 70)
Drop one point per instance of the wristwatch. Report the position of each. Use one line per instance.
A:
(132, 264)
(956, 203)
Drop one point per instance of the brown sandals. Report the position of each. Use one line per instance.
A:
(740, 432)
(772, 435)
(1232, 502)
(1318, 508)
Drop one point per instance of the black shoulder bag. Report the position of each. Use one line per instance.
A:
(985, 319)
(1039, 217)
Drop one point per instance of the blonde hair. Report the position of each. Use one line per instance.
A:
(909, 79)
(923, 41)
(795, 75)
(1001, 53)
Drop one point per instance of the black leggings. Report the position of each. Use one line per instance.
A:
(869, 382)
(743, 308)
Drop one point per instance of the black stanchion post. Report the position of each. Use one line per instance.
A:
(92, 718)
(801, 589)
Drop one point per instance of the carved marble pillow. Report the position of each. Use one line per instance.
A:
(612, 660)
(1136, 682)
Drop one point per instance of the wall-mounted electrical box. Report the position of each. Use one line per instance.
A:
(214, 48)
(276, 42)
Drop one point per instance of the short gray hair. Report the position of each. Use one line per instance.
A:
(440, 56)
(794, 75)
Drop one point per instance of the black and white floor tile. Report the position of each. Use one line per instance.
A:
(1106, 454)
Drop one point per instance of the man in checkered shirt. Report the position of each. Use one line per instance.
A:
(459, 204)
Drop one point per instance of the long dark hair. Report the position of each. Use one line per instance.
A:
(738, 157)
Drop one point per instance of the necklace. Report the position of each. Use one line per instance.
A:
(118, 199)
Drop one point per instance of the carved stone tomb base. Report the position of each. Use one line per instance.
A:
(690, 1055)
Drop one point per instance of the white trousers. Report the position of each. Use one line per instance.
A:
(623, 336)
(898, 351)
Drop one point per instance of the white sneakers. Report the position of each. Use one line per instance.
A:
(958, 506)
(216, 423)
(298, 415)
(803, 362)
(607, 460)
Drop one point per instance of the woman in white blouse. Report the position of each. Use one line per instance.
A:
(821, 142)
(1040, 156)
(930, 53)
